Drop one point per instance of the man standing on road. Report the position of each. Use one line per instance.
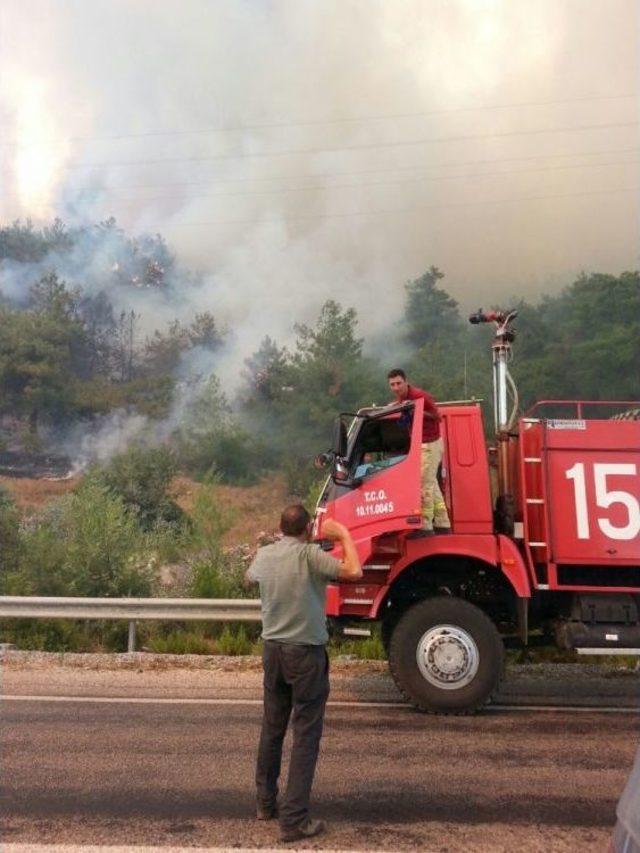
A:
(293, 575)
(435, 517)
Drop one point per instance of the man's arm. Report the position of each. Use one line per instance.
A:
(429, 410)
(251, 575)
(350, 568)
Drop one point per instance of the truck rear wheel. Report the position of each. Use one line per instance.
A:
(446, 656)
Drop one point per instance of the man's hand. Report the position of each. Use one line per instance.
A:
(332, 529)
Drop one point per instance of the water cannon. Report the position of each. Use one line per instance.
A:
(504, 336)
(502, 319)
(483, 317)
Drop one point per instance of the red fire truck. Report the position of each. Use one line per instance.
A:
(545, 534)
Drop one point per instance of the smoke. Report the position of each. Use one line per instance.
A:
(108, 435)
(294, 151)
(112, 433)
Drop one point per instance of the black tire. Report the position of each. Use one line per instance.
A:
(387, 628)
(467, 647)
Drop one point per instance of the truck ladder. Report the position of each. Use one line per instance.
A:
(534, 501)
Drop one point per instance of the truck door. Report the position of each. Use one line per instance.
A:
(384, 462)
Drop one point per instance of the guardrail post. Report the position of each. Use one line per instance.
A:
(131, 642)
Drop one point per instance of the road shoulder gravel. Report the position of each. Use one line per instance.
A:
(198, 676)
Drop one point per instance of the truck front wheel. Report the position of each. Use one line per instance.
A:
(446, 656)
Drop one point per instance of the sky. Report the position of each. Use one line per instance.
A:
(296, 150)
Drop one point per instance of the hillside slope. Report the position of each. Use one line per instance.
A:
(257, 508)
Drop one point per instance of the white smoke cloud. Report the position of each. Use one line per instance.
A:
(294, 199)
(108, 435)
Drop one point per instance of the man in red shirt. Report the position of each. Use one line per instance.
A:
(435, 517)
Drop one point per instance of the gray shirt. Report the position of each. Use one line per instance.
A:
(293, 578)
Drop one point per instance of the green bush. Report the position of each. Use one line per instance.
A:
(301, 477)
(314, 491)
(234, 642)
(10, 545)
(208, 582)
(209, 439)
(370, 648)
(207, 639)
(181, 643)
(65, 635)
(237, 457)
(211, 518)
(41, 569)
(86, 544)
(168, 543)
(142, 477)
(104, 549)
(230, 453)
(216, 573)
(56, 635)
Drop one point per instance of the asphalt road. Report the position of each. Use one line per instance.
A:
(180, 775)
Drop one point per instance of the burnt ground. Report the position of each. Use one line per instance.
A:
(21, 465)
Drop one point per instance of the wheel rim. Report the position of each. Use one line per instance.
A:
(448, 657)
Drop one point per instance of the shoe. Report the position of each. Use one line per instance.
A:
(266, 812)
(305, 830)
(441, 531)
(420, 534)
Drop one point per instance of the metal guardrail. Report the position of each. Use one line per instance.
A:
(131, 609)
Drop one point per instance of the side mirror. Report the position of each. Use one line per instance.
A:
(322, 460)
(339, 443)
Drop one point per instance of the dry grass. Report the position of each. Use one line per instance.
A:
(257, 507)
(33, 494)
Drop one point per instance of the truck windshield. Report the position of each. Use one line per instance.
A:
(378, 444)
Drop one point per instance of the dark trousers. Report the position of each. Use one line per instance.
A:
(296, 679)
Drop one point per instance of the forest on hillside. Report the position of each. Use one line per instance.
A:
(96, 353)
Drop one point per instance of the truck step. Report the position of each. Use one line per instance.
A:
(357, 599)
(610, 651)
(356, 632)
